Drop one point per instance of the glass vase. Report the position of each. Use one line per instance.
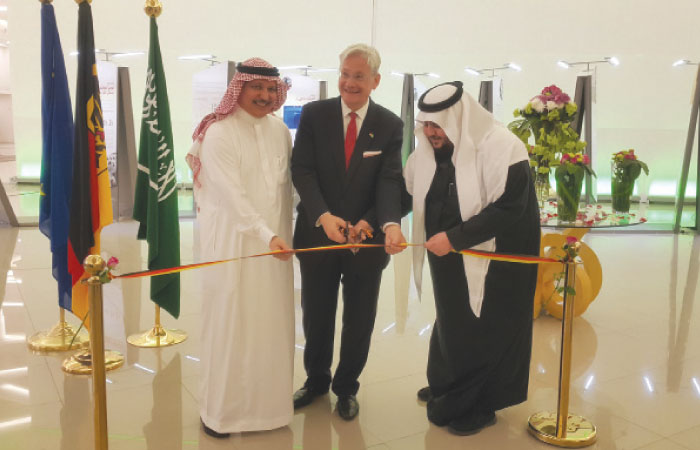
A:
(621, 187)
(542, 188)
(569, 183)
(621, 194)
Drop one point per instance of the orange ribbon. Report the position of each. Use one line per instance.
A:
(523, 259)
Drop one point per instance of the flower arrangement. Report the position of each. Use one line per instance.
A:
(626, 168)
(546, 117)
(569, 175)
(571, 250)
(574, 162)
(106, 274)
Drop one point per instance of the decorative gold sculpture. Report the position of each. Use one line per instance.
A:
(589, 275)
(153, 8)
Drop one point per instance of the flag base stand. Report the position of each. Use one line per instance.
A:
(580, 431)
(60, 338)
(81, 363)
(157, 337)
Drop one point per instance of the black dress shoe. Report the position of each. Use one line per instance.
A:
(425, 394)
(212, 433)
(347, 407)
(304, 396)
(471, 424)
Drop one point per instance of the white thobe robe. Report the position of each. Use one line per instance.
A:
(247, 335)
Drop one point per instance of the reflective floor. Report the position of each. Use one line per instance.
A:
(635, 372)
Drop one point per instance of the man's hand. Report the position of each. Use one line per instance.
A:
(277, 243)
(196, 166)
(394, 239)
(333, 226)
(361, 231)
(439, 244)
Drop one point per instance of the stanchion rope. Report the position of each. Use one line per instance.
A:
(514, 258)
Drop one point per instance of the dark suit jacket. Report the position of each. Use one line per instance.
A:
(371, 187)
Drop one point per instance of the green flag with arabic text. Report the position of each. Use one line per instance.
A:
(155, 204)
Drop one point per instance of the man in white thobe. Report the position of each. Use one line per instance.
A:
(244, 195)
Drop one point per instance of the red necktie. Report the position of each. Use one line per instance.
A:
(350, 138)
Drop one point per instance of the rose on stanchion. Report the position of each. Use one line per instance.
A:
(546, 118)
(626, 168)
(569, 175)
(106, 274)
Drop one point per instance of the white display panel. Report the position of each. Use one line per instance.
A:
(304, 90)
(208, 87)
(107, 74)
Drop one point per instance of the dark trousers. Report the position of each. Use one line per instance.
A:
(321, 275)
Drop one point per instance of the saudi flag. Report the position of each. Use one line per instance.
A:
(155, 205)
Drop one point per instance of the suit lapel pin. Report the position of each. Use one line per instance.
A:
(371, 135)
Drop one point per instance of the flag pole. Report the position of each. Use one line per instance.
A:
(156, 336)
(88, 114)
(62, 336)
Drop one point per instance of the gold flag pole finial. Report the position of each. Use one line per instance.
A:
(46, 1)
(153, 8)
(81, 1)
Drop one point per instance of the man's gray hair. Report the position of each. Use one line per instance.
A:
(366, 51)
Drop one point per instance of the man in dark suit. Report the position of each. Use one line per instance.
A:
(346, 167)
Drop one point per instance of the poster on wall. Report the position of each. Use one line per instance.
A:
(107, 74)
(304, 90)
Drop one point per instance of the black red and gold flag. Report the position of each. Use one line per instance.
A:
(91, 200)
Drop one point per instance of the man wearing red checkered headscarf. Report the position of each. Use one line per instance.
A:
(240, 159)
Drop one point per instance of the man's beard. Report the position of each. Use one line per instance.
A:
(444, 152)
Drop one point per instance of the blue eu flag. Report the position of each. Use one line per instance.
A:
(57, 152)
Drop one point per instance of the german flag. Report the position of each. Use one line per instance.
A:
(91, 200)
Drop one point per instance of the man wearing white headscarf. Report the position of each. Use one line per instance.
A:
(240, 160)
(471, 186)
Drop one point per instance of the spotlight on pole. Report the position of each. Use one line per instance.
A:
(612, 60)
(471, 71)
(491, 71)
(685, 62)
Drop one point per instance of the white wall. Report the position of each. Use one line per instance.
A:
(644, 103)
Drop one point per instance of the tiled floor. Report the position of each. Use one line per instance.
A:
(635, 373)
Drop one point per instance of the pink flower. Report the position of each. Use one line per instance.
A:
(552, 90)
(571, 240)
(561, 98)
(112, 262)
(586, 159)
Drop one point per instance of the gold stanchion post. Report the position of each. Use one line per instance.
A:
(561, 428)
(82, 363)
(94, 264)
